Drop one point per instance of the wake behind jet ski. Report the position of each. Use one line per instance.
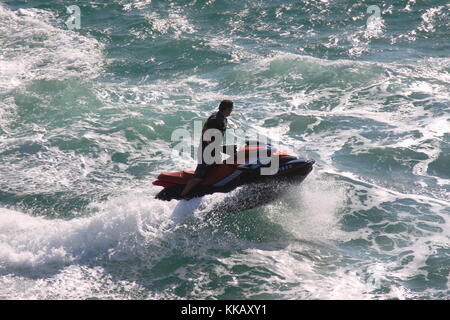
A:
(224, 177)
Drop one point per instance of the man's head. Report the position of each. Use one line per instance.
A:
(225, 107)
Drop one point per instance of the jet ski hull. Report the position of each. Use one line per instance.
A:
(291, 170)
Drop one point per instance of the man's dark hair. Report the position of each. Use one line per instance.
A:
(225, 105)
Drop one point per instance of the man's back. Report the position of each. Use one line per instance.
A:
(215, 121)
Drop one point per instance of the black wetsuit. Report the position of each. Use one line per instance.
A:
(215, 121)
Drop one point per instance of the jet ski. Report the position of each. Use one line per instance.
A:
(225, 177)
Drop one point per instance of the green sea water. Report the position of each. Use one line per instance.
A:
(87, 116)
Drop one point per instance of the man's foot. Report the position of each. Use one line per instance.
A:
(189, 186)
(184, 194)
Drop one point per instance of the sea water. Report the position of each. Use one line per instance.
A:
(87, 113)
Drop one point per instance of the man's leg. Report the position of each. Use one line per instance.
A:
(190, 185)
(200, 173)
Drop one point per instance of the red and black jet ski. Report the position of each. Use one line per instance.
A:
(225, 177)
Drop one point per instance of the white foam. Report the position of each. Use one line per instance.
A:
(135, 4)
(74, 282)
(429, 17)
(310, 278)
(185, 209)
(7, 114)
(32, 48)
(34, 242)
(313, 214)
(175, 22)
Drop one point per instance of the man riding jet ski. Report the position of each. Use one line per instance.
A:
(224, 177)
(248, 166)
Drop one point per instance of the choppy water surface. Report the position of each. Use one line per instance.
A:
(86, 118)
